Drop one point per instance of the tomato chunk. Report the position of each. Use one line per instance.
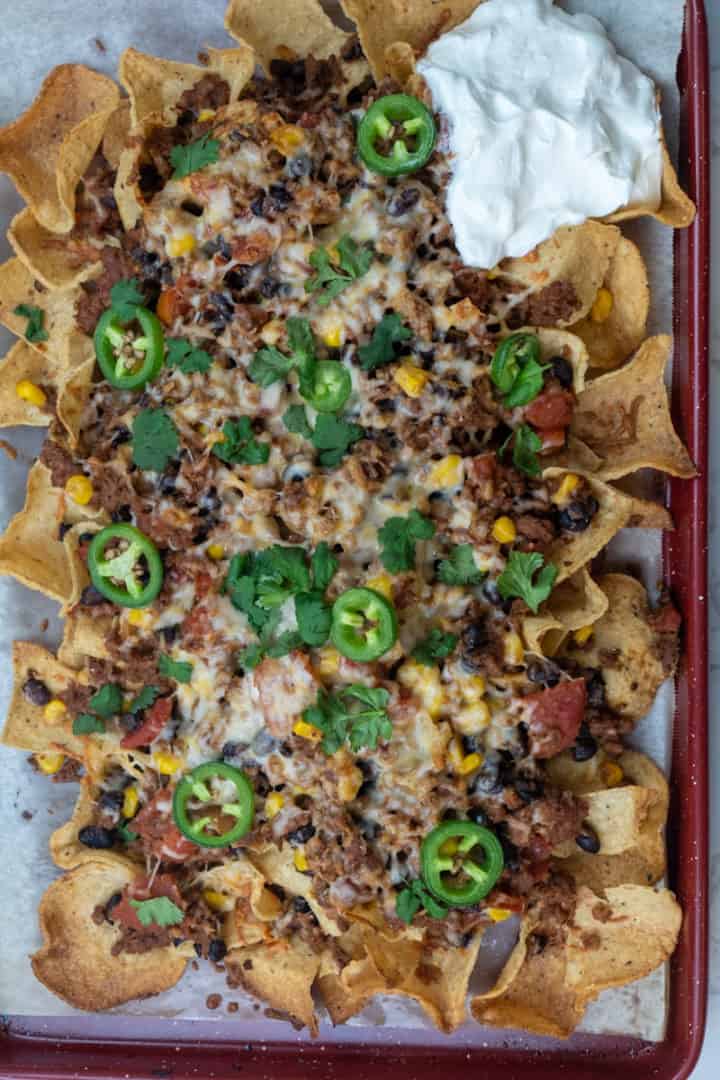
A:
(161, 836)
(125, 914)
(555, 716)
(551, 410)
(155, 720)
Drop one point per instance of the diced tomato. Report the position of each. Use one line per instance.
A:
(168, 306)
(197, 624)
(161, 836)
(554, 717)
(203, 584)
(163, 885)
(155, 720)
(498, 898)
(553, 439)
(481, 472)
(551, 409)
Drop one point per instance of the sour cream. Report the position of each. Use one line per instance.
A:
(548, 126)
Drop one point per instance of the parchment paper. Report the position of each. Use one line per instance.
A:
(37, 34)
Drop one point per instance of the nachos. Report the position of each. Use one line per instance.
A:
(320, 504)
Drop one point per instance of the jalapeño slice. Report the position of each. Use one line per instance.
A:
(128, 359)
(364, 625)
(461, 861)
(125, 566)
(214, 805)
(331, 386)
(404, 122)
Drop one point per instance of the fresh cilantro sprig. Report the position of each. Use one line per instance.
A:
(87, 724)
(179, 670)
(158, 911)
(460, 567)
(155, 440)
(380, 350)
(269, 365)
(125, 298)
(526, 445)
(196, 155)
(332, 435)
(437, 646)
(35, 329)
(330, 278)
(239, 445)
(415, 896)
(186, 357)
(339, 721)
(105, 703)
(527, 576)
(398, 537)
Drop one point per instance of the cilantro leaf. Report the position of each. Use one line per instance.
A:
(125, 297)
(269, 366)
(239, 445)
(296, 421)
(144, 699)
(526, 446)
(155, 440)
(324, 565)
(158, 911)
(459, 568)
(517, 578)
(332, 714)
(239, 585)
(381, 348)
(414, 896)
(436, 646)
(333, 437)
(107, 701)
(196, 155)
(183, 355)
(398, 537)
(35, 329)
(313, 617)
(87, 724)
(179, 670)
(330, 278)
(407, 905)
(286, 643)
(249, 657)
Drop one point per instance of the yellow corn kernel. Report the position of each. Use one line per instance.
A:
(216, 901)
(54, 710)
(612, 773)
(31, 393)
(493, 273)
(287, 138)
(80, 489)
(136, 617)
(455, 754)
(216, 551)
(328, 660)
(382, 584)
(448, 473)
(271, 331)
(473, 688)
(498, 914)
(333, 337)
(130, 802)
(583, 634)
(180, 245)
(470, 763)
(273, 804)
(504, 530)
(306, 731)
(300, 861)
(472, 719)
(602, 306)
(449, 848)
(50, 762)
(205, 114)
(411, 379)
(514, 649)
(166, 764)
(566, 488)
(425, 684)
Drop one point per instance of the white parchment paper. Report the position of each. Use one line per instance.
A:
(36, 34)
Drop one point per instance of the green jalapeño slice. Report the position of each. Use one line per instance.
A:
(125, 566)
(396, 135)
(364, 625)
(461, 861)
(130, 354)
(214, 805)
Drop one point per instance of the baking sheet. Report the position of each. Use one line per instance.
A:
(44, 32)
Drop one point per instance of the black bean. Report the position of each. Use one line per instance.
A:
(493, 595)
(286, 749)
(279, 197)
(595, 685)
(528, 789)
(289, 70)
(577, 515)
(86, 537)
(201, 535)
(422, 251)
(471, 744)
(168, 484)
(217, 950)
(111, 905)
(95, 836)
(237, 279)
(120, 435)
(338, 549)
(300, 165)
(231, 750)
(495, 772)
(478, 815)
(123, 513)
(63, 528)
(562, 370)
(276, 890)
(263, 743)
(403, 201)
(475, 636)
(170, 633)
(585, 746)
(543, 672)
(90, 596)
(269, 287)
(110, 802)
(224, 304)
(36, 691)
(301, 835)
(191, 207)
(588, 840)
(301, 905)
(149, 179)
(510, 852)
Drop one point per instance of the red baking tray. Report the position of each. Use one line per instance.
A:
(31, 1047)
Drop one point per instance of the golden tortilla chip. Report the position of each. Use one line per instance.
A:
(47, 150)
(647, 514)
(676, 208)
(575, 603)
(276, 29)
(24, 362)
(281, 974)
(29, 548)
(624, 417)
(116, 134)
(46, 254)
(65, 847)
(576, 456)
(625, 648)
(83, 636)
(561, 343)
(613, 339)
(17, 286)
(277, 865)
(76, 961)
(26, 727)
(77, 366)
(570, 553)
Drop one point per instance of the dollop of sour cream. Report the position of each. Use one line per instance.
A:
(548, 126)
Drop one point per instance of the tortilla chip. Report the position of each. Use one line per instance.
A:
(571, 552)
(47, 149)
(346, 991)
(576, 603)
(83, 636)
(65, 848)
(624, 417)
(46, 254)
(281, 974)
(75, 961)
(561, 343)
(647, 514)
(29, 548)
(576, 456)
(612, 341)
(17, 286)
(26, 727)
(276, 29)
(276, 865)
(625, 648)
(24, 362)
(128, 204)
(155, 85)
(77, 366)
(116, 134)
(676, 208)
(245, 889)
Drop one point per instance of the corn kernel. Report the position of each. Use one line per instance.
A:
(566, 488)
(180, 245)
(455, 754)
(582, 635)
(138, 618)
(333, 337)
(470, 763)
(273, 804)
(498, 914)
(411, 379)
(300, 861)
(382, 584)
(504, 530)
(602, 305)
(54, 710)
(205, 114)
(514, 650)
(612, 773)
(50, 762)
(216, 901)
(306, 731)
(271, 331)
(31, 393)
(80, 489)
(216, 551)
(287, 138)
(448, 473)
(472, 719)
(473, 688)
(166, 764)
(130, 802)
(493, 272)
(425, 683)
(328, 660)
